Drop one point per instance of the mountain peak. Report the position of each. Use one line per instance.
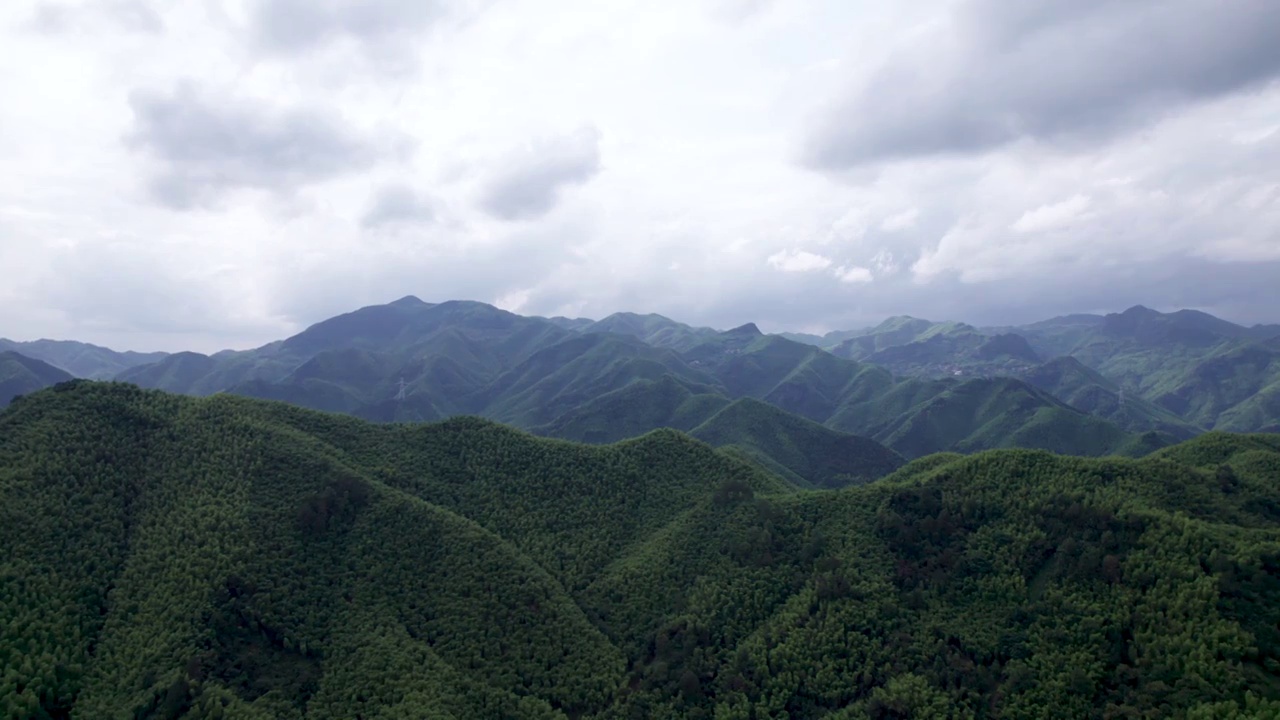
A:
(1139, 311)
(408, 301)
(748, 329)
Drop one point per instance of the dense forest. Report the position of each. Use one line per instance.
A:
(164, 556)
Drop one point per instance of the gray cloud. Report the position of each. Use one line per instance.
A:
(206, 145)
(130, 15)
(397, 203)
(1063, 70)
(296, 26)
(529, 182)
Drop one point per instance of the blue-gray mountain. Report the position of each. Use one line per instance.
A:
(1125, 383)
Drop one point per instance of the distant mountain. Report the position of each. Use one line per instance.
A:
(625, 375)
(1069, 380)
(1181, 372)
(913, 385)
(80, 359)
(20, 375)
(654, 330)
(1188, 362)
(805, 452)
(825, 341)
(914, 347)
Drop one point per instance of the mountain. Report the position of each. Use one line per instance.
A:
(80, 359)
(178, 557)
(920, 348)
(826, 340)
(20, 375)
(912, 416)
(654, 330)
(806, 453)
(421, 362)
(1181, 372)
(1067, 379)
(1188, 362)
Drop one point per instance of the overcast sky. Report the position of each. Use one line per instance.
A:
(202, 174)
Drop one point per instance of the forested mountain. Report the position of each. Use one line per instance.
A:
(80, 359)
(919, 348)
(20, 374)
(178, 557)
(1080, 387)
(1181, 372)
(621, 377)
(1080, 384)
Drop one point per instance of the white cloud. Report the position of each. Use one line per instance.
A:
(854, 274)
(438, 132)
(1051, 217)
(904, 220)
(798, 261)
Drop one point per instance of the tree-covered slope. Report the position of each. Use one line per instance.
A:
(20, 374)
(175, 557)
(1087, 390)
(801, 450)
(80, 359)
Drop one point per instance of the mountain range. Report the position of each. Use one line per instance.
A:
(173, 557)
(860, 402)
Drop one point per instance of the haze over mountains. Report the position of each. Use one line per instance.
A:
(1125, 383)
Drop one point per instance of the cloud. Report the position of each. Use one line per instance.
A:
(206, 144)
(853, 274)
(297, 26)
(1052, 216)
(395, 204)
(130, 15)
(793, 261)
(528, 183)
(698, 116)
(904, 220)
(996, 71)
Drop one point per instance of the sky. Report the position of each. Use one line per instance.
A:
(208, 174)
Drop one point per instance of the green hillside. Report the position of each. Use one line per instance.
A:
(1087, 390)
(80, 359)
(801, 450)
(177, 557)
(636, 408)
(20, 375)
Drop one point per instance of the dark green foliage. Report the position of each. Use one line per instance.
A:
(167, 557)
(800, 449)
(20, 374)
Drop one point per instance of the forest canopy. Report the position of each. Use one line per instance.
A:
(172, 557)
